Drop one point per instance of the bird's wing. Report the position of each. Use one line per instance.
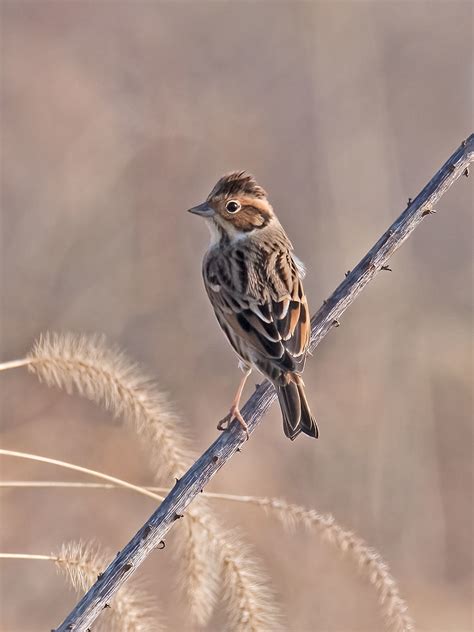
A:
(264, 314)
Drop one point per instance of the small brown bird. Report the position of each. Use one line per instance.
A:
(254, 283)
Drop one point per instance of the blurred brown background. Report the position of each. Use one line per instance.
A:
(116, 117)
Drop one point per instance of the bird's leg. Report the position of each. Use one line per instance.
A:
(234, 412)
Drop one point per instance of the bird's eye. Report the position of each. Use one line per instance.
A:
(233, 206)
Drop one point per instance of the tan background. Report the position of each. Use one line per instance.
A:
(116, 117)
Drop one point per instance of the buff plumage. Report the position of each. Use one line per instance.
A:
(254, 283)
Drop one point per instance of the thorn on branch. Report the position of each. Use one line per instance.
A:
(409, 202)
(428, 211)
(464, 143)
(451, 168)
(238, 450)
(100, 575)
(347, 273)
(335, 323)
(161, 545)
(466, 172)
(127, 567)
(387, 268)
(107, 605)
(177, 516)
(215, 458)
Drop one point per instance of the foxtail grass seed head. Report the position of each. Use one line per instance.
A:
(132, 608)
(84, 364)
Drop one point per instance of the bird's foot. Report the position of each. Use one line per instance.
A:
(234, 413)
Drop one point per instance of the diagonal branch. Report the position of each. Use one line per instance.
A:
(197, 477)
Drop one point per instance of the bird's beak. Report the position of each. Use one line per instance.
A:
(204, 210)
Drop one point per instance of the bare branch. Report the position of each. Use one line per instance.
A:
(197, 477)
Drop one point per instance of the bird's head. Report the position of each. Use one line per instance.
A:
(236, 206)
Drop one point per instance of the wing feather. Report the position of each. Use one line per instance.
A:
(267, 328)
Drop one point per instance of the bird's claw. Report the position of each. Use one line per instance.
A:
(234, 413)
(224, 423)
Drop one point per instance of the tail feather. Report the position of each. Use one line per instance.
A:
(308, 422)
(290, 405)
(295, 410)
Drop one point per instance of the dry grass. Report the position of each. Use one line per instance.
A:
(367, 559)
(210, 556)
(71, 466)
(132, 609)
(199, 565)
(82, 364)
(250, 604)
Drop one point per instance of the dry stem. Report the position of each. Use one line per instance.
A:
(195, 479)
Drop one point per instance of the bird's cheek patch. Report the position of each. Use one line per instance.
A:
(248, 219)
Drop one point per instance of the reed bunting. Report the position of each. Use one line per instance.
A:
(254, 282)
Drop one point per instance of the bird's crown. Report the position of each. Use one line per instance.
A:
(237, 183)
